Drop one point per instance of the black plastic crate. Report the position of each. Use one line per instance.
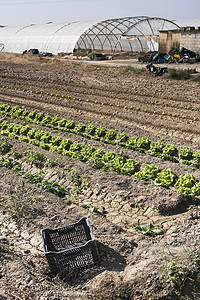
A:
(70, 247)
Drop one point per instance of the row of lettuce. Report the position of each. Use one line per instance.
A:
(143, 145)
(98, 159)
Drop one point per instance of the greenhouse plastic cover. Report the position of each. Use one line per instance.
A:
(51, 37)
(130, 34)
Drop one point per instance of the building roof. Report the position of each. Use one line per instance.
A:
(188, 23)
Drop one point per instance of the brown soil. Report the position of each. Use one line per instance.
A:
(132, 265)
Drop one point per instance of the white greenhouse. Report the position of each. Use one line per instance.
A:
(130, 34)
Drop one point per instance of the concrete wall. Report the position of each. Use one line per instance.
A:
(191, 40)
(168, 40)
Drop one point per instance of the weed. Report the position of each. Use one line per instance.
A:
(51, 162)
(99, 188)
(179, 74)
(4, 146)
(196, 78)
(148, 229)
(75, 178)
(37, 159)
(178, 274)
(136, 71)
(126, 196)
(100, 211)
(15, 153)
(20, 201)
(138, 203)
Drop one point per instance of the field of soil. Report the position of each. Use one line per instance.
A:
(132, 265)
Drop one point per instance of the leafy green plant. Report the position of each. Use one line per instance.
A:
(56, 140)
(100, 188)
(95, 210)
(5, 147)
(62, 123)
(32, 114)
(148, 173)
(80, 128)
(133, 141)
(156, 148)
(178, 274)
(148, 229)
(50, 186)
(165, 178)
(185, 184)
(65, 144)
(129, 167)
(37, 159)
(143, 143)
(10, 163)
(86, 153)
(70, 124)
(121, 137)
(185, 153)
(95, 161)
(31, 133)
(101, 132)
(110, 134)
(38, 134)
(46, 120)
(75, 178)
(39, 116)
(196, 157)
(46, 138)
(21, 138)
(169, 150)
(91, 129)
(54, 120)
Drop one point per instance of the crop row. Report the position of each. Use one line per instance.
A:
(158, 149)
(111, 104)
(95, 158)
(156, 102)
(37, 179)
(98, 159)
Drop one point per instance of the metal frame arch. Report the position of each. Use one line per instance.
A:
(110, 26)
(149, 18)
(112, 31)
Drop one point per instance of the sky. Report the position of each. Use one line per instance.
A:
(25, 12)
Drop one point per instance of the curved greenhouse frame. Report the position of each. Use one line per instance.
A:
(129, 34)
